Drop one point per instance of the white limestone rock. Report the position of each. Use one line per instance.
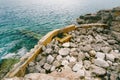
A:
(100, 55)
(87, 55)
(59, 57)
(67, 57)
(110, 57)
(87, 64)
(47, 66)
(73, 49)
(106, 49)
(56, 63)
(52, 68)
(81, 56)
(50, 59)
(66, 45)
(65, 62)
(109, 62)
(77, 66)
(64, 51)
(42, 61)
(101, 63)
(87, 48)
(72, 59)
(48, 50)
(38, 68)
(98, 70)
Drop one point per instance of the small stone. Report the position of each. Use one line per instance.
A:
(101, 63)
(92, 60)
(66, 45)
(109, 62)
(116, 55)
(42, 61)
(67, 57)
(100, 55)
(78, 39)
(42, 71)
(92, 53)
(98, 38)
(110, 57)
(52, 68)
(73, 45)
(66, 67)
(116, 51)
(87, 55)
(97, 48)
(88, 73)
(56, 63)
(64, 51)
(38, 68)
(54, 55)
(115, 64)
(106, 49)
(87, 64)
(39, 57)
(72, 59)
(111, 41)
(88, 78)
(48, 50)
(81, 56)
(50, 59)
(97, 79)
(77, 67)
(99, 29)
(43, 48)
(75, 54)
(31, 64)
(87, 48)
(31, 69)
(73, 49)
(113, 77)
(56, 48)
(81, 73)
(65, 62)
(71, 64)
(47, 66)
(59, 57)
(98, 70)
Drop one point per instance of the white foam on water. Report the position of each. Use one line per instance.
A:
(21, 52)
(7, 56)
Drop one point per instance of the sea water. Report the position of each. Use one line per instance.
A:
(40, 16)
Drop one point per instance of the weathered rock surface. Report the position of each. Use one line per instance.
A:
(98, 70)
(101, 63)
(64, 51)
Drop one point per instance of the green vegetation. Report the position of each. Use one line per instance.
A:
(6, 65)
(31, 34)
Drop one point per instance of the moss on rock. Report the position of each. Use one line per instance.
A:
(6, 65)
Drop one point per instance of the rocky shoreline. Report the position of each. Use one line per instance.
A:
(91, 54)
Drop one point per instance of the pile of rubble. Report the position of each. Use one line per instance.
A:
(91, 53)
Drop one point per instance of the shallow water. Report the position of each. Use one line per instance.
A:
(40, 16)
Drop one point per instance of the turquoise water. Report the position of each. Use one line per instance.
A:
(40, 16)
